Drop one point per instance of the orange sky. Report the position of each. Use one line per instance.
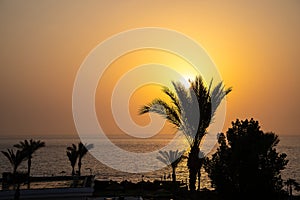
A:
(43, 43)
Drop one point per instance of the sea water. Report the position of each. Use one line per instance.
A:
(53, 161)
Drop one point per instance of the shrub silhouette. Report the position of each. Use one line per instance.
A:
(246, 164)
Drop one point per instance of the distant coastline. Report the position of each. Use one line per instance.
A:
(111, 136)
(76, 137)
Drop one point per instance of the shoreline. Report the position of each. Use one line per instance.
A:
(160, 190)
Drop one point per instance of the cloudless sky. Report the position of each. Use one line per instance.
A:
(255, 45)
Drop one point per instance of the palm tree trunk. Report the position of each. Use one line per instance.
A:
(28, 172)
(174, 174)
(73, 171)
(14, 177)
(199, 178)
(17, 192)
(192, 178)
(79, 166)
(193, 165)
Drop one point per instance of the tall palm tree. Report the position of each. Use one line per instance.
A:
(82, 150)
(172, 158)
(29, 147)
(15, 159)
(198, 103)
(72, 154)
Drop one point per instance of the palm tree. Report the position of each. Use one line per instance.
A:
(290, 184)
(15, 159)
(172, 158)
(82, 150)
(29, 147)
(72, 154)
(75, 153)
(191, 111)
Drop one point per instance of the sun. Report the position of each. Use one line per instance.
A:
(186, 79)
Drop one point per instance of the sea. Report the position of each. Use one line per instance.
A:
(53, 161)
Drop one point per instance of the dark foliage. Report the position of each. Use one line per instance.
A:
(75, 154)
(29, 147)
(246, 163)
(15, 159)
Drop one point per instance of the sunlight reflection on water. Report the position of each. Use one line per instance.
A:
(52, 160)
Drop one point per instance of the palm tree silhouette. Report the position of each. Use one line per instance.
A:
(82, 150)
(290, 184)
(75, 153)
(191, 111)
(29, 147)
(72, 155)
(15, 159)
(172, 158)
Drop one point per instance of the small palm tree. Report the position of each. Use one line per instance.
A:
(75, 153)
(82, 150)
(172, 158)
(72, 155)
(15, 159)
(182, 112)
(29, 147)
(290, 184)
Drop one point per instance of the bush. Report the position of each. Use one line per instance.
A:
(246, 164)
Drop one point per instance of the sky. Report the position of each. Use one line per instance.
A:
(254, 44)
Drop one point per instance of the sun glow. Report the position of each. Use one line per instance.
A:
(187, 79)
(129, 64)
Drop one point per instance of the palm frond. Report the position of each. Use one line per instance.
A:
(191, 110)
(15, 159)
(170, 157)
(8, 155)
(83, 149)
(217, 95)
(160, 107)
(173, 97)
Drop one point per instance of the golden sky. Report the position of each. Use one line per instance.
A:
(43, 43)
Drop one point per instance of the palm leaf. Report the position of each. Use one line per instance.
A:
(182, 111)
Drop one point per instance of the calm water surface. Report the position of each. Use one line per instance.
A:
(52, 160)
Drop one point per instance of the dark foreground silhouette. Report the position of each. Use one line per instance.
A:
(161, 190)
